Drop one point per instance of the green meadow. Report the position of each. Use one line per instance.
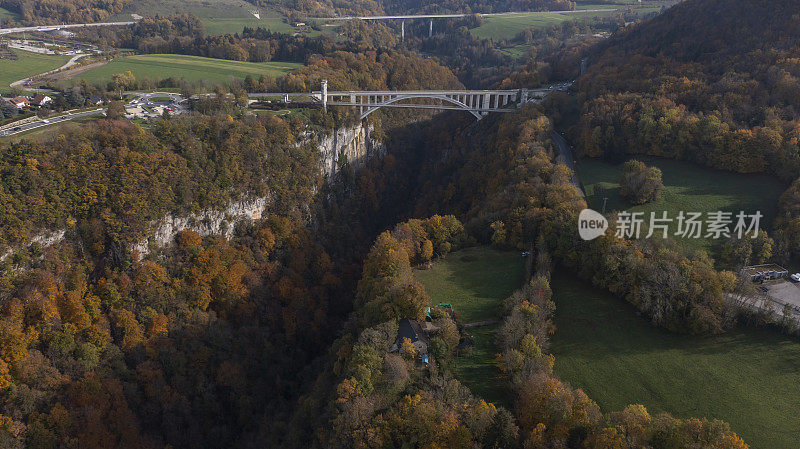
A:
(28, 64)
(688, 188)
(747, 377)
(475, 281)
(191, 68)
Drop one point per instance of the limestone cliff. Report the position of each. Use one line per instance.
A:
(353, 142)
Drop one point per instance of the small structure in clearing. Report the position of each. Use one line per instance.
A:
(758, 273)
(411, 330)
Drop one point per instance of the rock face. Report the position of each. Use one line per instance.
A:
(208, 222)
(354, 143)
(43, 240)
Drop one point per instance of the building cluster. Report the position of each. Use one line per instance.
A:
(36, 101)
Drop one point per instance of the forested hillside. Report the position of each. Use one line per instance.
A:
(500, 179)
(285, 333)
(711, 81)
(714, 82)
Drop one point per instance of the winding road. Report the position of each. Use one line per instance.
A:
(73, 61)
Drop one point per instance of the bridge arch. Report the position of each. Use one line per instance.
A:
(374, 107)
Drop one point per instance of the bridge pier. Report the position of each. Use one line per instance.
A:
(325, 95)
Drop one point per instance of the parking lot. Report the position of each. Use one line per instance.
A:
(144, 105)
(783, 291)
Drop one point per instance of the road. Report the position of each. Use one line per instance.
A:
(565, 157)
(457, 16)
(142, 98)
(50, 121)
(143, 103)
(73, 61)
(61, 27)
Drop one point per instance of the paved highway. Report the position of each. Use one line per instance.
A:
(61, 27)
(456, 16)
(565, 157)
(50, 121)
(142, 98)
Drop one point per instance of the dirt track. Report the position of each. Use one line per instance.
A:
(71, 73)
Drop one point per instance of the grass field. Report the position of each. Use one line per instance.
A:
(236, 25)
(748, 377)
(687, 187)
(28, 64)
(218, 16)
(204, 9)
(508, 26)
(6, 14)
(191, 68)
(475, 281)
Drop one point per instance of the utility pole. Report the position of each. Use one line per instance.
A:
(402, 30)
(605, 199)
(430, 28)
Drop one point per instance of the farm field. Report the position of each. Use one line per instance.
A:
(475, 281)
(688, 188)
(747, 377)
(192, 68)
(506, 27)
(218, 17)
(236, 25)
(28, 64)
(204, 9)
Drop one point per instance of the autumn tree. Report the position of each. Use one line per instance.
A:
(639, 183)
(122, 82)
(116, 110)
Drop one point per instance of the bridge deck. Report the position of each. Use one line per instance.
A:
(457, 16)
(510, 108)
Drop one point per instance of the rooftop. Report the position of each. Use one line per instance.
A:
(760, 269)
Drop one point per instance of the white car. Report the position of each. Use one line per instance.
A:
(795, 277)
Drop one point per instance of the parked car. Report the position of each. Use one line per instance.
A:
(795, 277)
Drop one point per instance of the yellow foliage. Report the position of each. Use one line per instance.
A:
(5, 377)
(407, 349)
(346, 389)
